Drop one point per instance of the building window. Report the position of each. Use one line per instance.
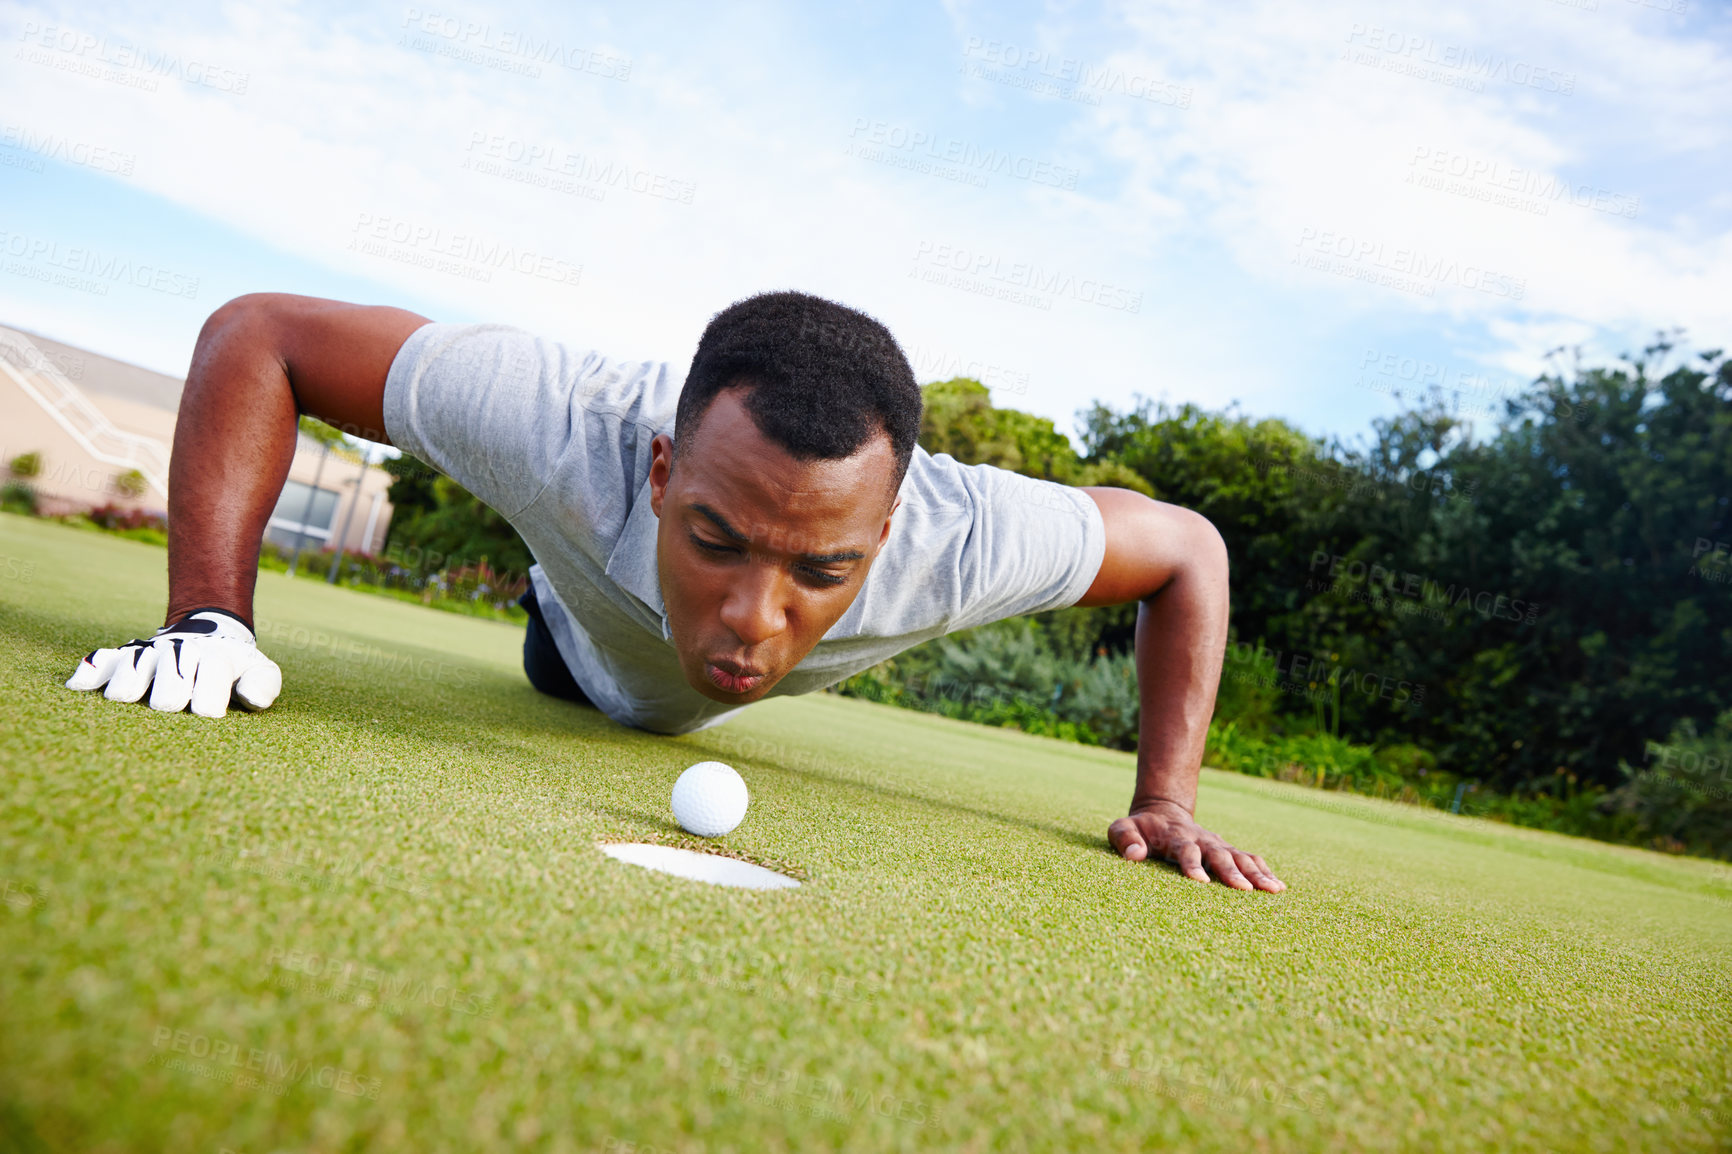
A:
(287, 527)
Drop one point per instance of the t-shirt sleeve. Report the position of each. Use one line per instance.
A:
(1034, 545)
(489, 406)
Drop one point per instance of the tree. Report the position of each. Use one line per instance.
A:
(1549, 596)
(433, 517)
(1601, 500)
(321, 432)
(960, 419)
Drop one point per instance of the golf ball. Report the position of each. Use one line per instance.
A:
(710, 799)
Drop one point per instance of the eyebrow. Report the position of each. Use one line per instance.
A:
(734, 534)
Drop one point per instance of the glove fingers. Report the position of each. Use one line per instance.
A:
(94, 671)
(207, 660)
(213, 685)
(176, 666)
(260, 684)
(133, 674)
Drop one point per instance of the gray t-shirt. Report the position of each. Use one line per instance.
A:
(557, 439)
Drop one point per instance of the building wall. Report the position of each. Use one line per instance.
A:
(138, 401)
(334, 473)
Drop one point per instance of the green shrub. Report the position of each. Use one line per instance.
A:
(1318, 759)
(1102, 696)
(1004, 674)
(472, 590)
(871, 685)
(1015, 713)
(1679, 797)
(1249, 693)
(1010, 661)
(136, 524)
(18, 497)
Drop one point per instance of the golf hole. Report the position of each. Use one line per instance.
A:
(701, 867)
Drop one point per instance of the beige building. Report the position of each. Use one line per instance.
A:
(102, 430)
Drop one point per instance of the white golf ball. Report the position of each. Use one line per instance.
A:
(710, 799)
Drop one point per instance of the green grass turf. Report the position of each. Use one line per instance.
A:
(966, 967)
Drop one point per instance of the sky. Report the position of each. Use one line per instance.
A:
(1308, 210)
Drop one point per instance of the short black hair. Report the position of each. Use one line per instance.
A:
(824, 378)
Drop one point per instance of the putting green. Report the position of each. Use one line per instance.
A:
(375, 918)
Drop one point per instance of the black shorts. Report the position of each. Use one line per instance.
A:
(542, 664)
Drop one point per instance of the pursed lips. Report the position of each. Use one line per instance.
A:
(731, 676)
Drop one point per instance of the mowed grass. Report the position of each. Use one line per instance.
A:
(374, 918)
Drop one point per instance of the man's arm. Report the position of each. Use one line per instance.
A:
(260, 362)
(1174, 563)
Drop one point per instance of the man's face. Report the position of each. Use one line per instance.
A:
(760, 553)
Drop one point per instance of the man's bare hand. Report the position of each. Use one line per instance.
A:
(1164, 829)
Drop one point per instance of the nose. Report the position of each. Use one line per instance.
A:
(753, 608)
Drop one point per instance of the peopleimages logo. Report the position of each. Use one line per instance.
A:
(341, 979)
(882, 141)
(92, 267)
(822, 1096)
(550, 165)
(1179, 1076)
(1423, 374)
(1407, 269)
(1337, 475)
(1527, 189)
(463, 254)
(117, 59)
(1315, 676)
(931, 364)
(221, 1060)
(1073, 77)
(1688, 769)
(514, 51)
(1381, 585)
(310, 869)
(1416, 53)
(1711, 560)
(22, 895)
(66, 150)
(1018, 281)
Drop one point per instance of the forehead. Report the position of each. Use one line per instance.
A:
(760, 487)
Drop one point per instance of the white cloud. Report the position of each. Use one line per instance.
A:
(1199, 208)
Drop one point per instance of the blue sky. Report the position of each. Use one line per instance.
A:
(1300, 208)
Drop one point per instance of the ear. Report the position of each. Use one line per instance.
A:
(661, 470)
(884, 535)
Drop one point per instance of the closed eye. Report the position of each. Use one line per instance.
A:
(821, 576)
(712, 546)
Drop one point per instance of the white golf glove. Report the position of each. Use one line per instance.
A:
(203, 660)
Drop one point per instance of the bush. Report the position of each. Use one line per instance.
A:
(116, 519)
(130, 484)
(476, 590)
(873, 685)
(1102, 696)
(136, 524)
(1001, 661)
(1680, 795)
(1322, 760)
(26, 465)
(18, 497)
(1249, 693)
(1006, 674)
(435, 517)
(882, 685)
(1011, 662)
(1577, 810)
